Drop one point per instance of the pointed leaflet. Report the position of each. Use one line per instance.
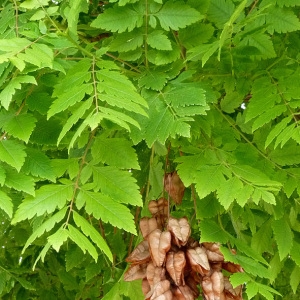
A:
(228, 190)
(281, 20)
(8, 92)
(12, 47)
(74, 118)
(175, 15)
(118, 19)
(208, 179)
(119, 185)
(220, 11)
(295, 279)
(90, 231)
(19, 181)
(45, 227)
(37, 163)
(158, 40)
(76, 7)
(6, 204)
(82, 241)
(212, 232)
(117, 90)
(71, 96)
(127, 41)
(39, 55)
(283, 236)
(116, 152)
(58, 238)
(12, 153)
(47, 199)
(104, 208)
(262, 239)
(72, 88)
(19, 126)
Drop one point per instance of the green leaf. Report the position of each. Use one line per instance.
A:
(47, 199)
(58, 238)
(104, 208)
(263, 43)
(12, 153)
(158, 40)
(212, 232)
(295, 253)
(116, 152)
(82, 241)
(239, 278)
(16, 83)
(6, 203)
(118, 19)
(127, 41)
(153, 80)
(227, 191)
(175, 15)
(295, 279)
(95, 236)
(19, 126)
(76, 7)
(220, 11)
(276, 130)
(283, 236)
(69, 98)
(250, 265)
(74, 257)
(37, 163)
(117, 90)
(209, 179)
(262, 239)
(74, 118)
(289, 155)
(118, 185)
(19, 181)
(45, 227)
(282, 20)
(40, 55)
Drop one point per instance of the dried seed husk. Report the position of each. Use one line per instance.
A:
(180, 229)
(213, 252)
(231, 267)
(160, 291)
(140, 254)
(198, 260)
(182, 293)
(159, 245)
(155, 274)
(135, 272)
(174, 186)
(175, 264)
(147, 225)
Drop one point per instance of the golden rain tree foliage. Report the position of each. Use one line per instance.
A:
(99, 100)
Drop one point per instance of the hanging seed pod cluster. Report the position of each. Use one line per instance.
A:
(172, 265)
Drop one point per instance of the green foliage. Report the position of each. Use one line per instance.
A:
(99, 99)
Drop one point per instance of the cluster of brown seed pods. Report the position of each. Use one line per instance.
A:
(172, 265)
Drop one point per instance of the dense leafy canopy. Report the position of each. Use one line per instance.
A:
(98, 99)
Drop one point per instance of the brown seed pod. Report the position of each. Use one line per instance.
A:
(160, 291)
(180, 229)
(198, 260)
(159, 245)
(135, 272)
(155, 274)
(140, 254)
(175, 264)
(147, 225)
(174, 186)
(213, 252)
